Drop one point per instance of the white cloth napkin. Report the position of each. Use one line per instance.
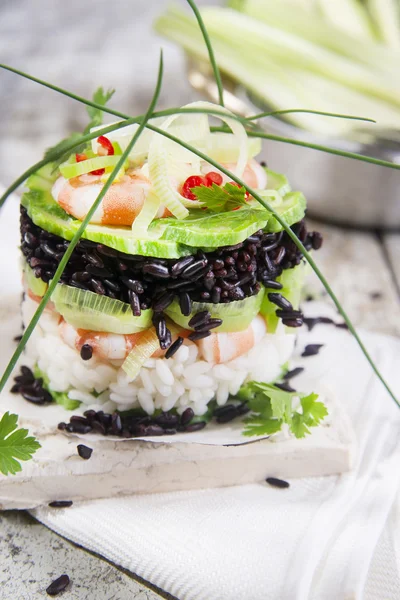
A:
(314, 540)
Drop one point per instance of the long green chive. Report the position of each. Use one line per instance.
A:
(28, 331)
(322, 113)
(210, 49)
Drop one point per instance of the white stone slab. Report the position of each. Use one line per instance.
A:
(58, 473)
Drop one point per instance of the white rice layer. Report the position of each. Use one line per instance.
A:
(183, 381)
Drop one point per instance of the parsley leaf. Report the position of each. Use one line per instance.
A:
(95, 114)
(272, 407)
(14, 444)
(220, 198)
(96, 118)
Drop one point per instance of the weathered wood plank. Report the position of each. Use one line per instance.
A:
(392, 245)
(356, 267)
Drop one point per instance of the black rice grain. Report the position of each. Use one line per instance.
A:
(185, 304)
(174, 347)
(187, 416)
(280, 301)
(279, 483)
(157, 270)
(195, 426)
(199, 318)
(293, 372)
(84, 451)
(296, 322)
(86, 352)
(285, 386)
(211, 324)
(199, 335)
(273, 285)
(60, 503)
(58, 586)
(163, 301)
(312, 349)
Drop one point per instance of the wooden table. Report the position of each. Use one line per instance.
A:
(74, 45)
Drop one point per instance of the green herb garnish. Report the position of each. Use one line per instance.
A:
(221, 198)
(273, 407)
(15, 445)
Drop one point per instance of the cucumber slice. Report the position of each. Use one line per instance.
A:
(293, 210)
(278, 182)
(37, 286)
(87, 310)
(43, 179)
(292, 281)
(236, 316)
(212, 230)
(47, 214)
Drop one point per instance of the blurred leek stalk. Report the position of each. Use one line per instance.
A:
(336, 56)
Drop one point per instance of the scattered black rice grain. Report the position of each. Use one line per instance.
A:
(279, 483)
(293, 372)
(84, 451)
(174, 347)
(285, 386)
(342, 325)
(18, 338)
(60, 503)
(375, 295)
(311, 322)
(58, 585)
(312, 349)
(86, 352)
(199, 335)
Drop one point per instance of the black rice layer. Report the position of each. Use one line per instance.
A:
(227, 274)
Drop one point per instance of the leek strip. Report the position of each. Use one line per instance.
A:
(349, 16)
(68, 253)
(286, 15)
(149, 210)
(256, 40)
(386, 16)
(69, 170)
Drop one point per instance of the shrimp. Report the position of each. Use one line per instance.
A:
(223, 347)
(120, 206)
(106, 346)
(254, 174)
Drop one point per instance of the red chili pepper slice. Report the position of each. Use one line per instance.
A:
(97, 172)
(192, 182)
(107, 145)
(213, 177)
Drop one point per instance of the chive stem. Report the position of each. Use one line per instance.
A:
(210, 50)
